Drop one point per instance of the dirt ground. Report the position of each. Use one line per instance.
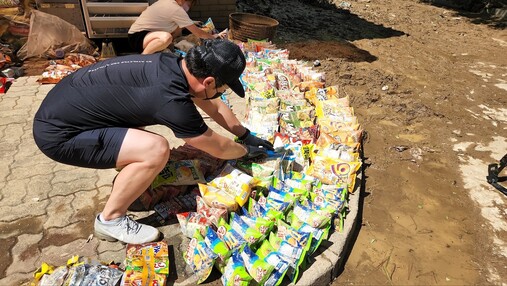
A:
(429, 87)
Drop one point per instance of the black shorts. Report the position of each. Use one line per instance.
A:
(136, 41)
(97, 148)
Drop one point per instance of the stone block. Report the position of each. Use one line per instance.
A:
(24, 254)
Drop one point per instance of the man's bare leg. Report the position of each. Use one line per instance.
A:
(156, 41)
(142, 156)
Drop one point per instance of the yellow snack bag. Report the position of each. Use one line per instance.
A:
(217, 198)
(235, 182)
(334, 171)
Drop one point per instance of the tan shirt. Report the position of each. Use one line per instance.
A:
(163, 15)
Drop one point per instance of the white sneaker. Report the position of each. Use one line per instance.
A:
(125, 230)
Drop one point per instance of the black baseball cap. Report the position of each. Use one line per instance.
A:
(227, 62)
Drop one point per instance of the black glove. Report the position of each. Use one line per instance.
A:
(251, 140)
(255, 153)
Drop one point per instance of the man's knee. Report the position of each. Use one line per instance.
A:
(160, 151)
(167, 38)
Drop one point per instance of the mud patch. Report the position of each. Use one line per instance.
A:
(325, 49)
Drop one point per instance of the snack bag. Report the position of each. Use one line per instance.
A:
(262, 169)
(257, 210)
(283, 82)
(333, 192)
(314, 95)
(147, 264)
(159, 253)
(281, 267)
(184, 172)
(328, 126)
(256, 266)
(261, 224)
(208, 26)
(192, 221)
(211, 214)
(290, 235)
(218, 246)
(218, 198)
(235, 273)
(56, 277)
(327, 205)
(318, 235)
(302, 214)
(302, 118)
(234, 182)
(334, 171)
(281, 195)
(273, 257)
(347, 137)
(101, 275)
(267, 105)
(231, 237)
(76, 274)
(249, 233)
(199, 257)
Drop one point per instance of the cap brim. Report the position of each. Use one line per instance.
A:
(237, 87)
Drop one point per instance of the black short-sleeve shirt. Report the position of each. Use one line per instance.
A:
(127, 91)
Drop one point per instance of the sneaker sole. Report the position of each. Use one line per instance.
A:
(112, 239)
(105, 237)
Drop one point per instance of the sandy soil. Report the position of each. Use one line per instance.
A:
(429, 86)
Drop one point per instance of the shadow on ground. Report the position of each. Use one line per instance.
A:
(487, 12)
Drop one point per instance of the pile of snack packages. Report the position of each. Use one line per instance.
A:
(258, 222)
(145, 262)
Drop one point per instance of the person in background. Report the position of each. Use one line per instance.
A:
(93, 118)
(162, 22)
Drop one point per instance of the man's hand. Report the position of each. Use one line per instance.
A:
(255, 153)
(221, 35)
(251, 140)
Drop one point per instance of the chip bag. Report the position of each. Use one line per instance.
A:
(183, 172)
(256, 266)
(234, 182)
(231, 237)
(235, 273)
(217, 198)
(199, 257)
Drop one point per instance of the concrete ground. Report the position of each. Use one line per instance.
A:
(47, 209)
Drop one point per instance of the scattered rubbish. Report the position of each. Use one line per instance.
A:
(416, 153)
(400, 148)
(385, 87)
(316, 63)
(345, 5)
(493, 171)
(107, 49)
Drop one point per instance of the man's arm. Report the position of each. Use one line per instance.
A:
(222, 115)
(200, 33)
(217, 145)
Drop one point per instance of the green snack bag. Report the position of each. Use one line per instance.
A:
(256, 266)
(295, 256)
(318, 235)
(302, 214)
(218, 246)
(199, 257)
(231, 237)
(235, 273)
(261, 224)
(265, 248)
(249, 233)
(290, 235)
